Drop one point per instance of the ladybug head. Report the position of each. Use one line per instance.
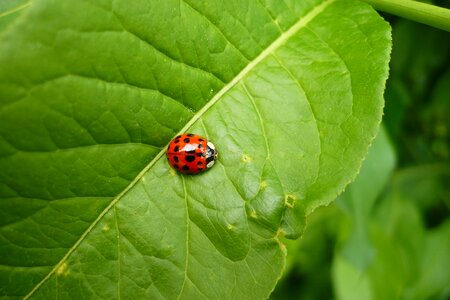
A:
(211, 154)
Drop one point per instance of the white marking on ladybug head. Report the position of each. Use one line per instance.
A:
(210, 164)
(211, 145)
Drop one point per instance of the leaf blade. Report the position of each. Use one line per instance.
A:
(219, 224)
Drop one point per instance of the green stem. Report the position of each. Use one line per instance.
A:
(432, 15)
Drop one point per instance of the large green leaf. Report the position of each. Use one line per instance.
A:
(92, 91)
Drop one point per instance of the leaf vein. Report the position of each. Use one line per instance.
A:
(217, 29)
(187, 237)
(271, 16)
(15, 9)
(118, 253)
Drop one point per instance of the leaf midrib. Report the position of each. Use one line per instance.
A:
(15, 9)
(264, 54)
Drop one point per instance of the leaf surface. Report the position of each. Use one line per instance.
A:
(10, 10)
(91, 93)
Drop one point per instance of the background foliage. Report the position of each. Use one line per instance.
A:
(388, 235)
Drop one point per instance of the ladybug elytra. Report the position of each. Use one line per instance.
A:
(191, 154)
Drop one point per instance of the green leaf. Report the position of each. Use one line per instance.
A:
(91, 93)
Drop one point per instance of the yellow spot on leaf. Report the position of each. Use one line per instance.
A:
(280, 233)
(246, 158)
(263, 184)
(106, 228)
(289, 200)
(62, 269)
(282, 247)
(254, 215)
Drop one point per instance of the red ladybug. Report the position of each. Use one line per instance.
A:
(191, 154)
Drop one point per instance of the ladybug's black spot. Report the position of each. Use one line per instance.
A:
(200, 169)
(200, 154)
(190, 134)
(178, 137)
(190, 152)
(187, 140)
(189, 158)
(176, 166)
(175, 158)
(200, 146)
(176, 141)
(176, 148)
(200, 140)
(186, 168)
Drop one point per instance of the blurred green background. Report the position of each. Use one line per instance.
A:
(388, 235)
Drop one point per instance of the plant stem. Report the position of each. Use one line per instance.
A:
(432, 15)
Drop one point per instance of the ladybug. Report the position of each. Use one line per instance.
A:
(191, 154)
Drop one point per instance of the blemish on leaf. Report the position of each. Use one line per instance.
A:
(280, 233)
(245, 158)
(230, 227)
(282, 246)
(254, 215)
(106, 228)
(62, 269)
(289, 200)
(263, 185)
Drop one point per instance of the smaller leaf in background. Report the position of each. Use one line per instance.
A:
(403, 247)
(433, 282)
(359, 198)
